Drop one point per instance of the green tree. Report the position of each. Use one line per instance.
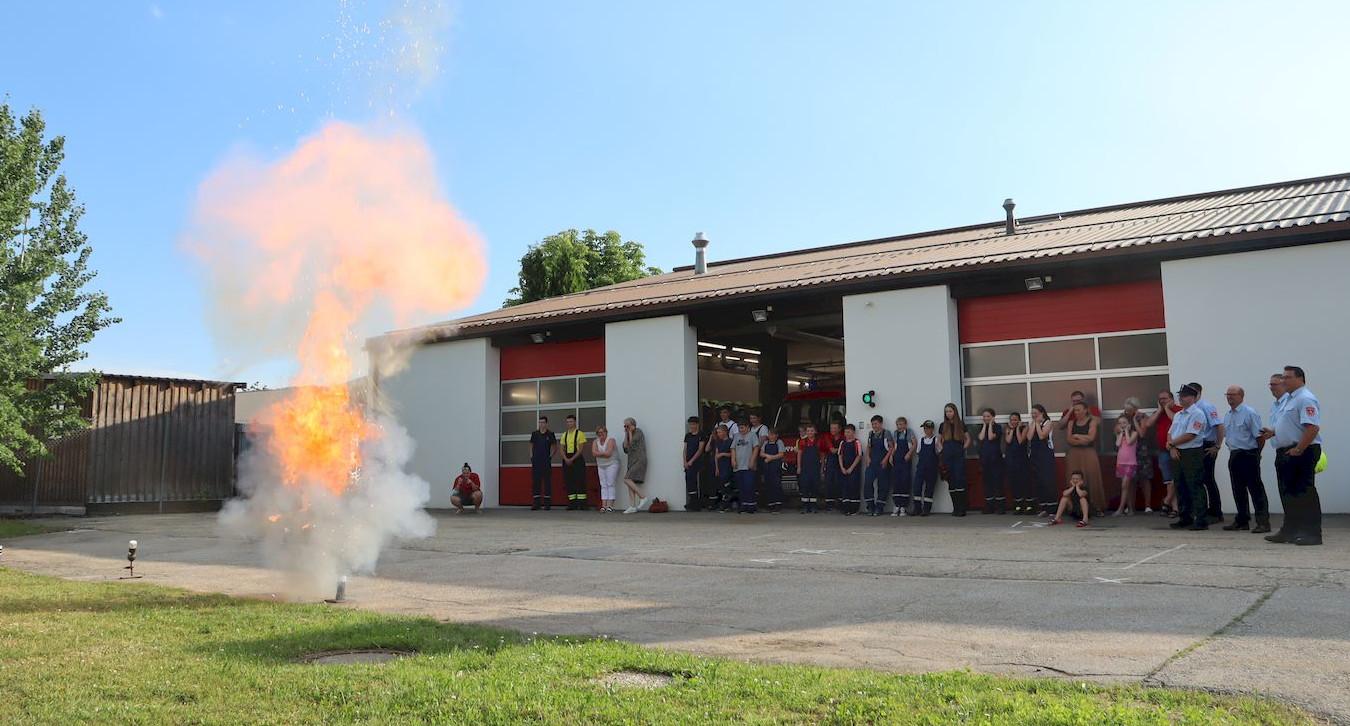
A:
(572, 261)
(47, 315)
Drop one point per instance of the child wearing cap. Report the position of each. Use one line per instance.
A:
(926, 474)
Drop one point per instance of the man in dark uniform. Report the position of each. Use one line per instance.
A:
(1296, 427)
(1214, 436)
(543, 445)
(1184, 443)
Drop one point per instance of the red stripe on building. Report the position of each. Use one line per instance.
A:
(1051, 313)
(572, 358)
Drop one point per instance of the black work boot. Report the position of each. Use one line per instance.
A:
(1237, 524)
(1262, 524)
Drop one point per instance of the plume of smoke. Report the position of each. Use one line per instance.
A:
(317, 535)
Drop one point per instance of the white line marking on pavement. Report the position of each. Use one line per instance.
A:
(1121, 581)
(1152, 557)
(1012, 531)
(1016, 525)
(770, 560)
(811, 552)
(868, 534)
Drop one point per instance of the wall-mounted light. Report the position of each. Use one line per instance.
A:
(1034, 283)
(538, 337)
(759, 316)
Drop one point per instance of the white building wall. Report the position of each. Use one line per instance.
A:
(902, 344)
(1236, 319)
(447, 398)
(651, 375)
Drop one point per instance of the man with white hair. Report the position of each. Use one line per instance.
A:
(1242, 433)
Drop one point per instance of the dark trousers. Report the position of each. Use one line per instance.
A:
(850, 488)
(574, 479)
(1043, 470)
(1297, 480)
(1192, 497)
(745, 485)
(1244, 471)
(902, 481)
(954, 458)
(876, 487)
(832, 477)
(808, 485)
(991, 470)
(541, 483)
(1019, 480)
(773, 484)
(1215, 509)
(925, 483)
(693, 501)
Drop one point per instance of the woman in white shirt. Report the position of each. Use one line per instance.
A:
(603, 449)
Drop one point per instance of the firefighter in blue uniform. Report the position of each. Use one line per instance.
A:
(902, 467)
(1185, 443)
(808, 469)
(1296, 428)
(876, 479)
(1213, 441)
(926, 474)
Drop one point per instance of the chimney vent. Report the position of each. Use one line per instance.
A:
(1010, 224)
(700, 258)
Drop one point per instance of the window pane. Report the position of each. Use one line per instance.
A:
(1054, 395)
(1002, 397)
(518, 422)
(562, 390)
(1144, 388)
(589, 418)
(515, 453)
(1062, 355)
(519, 393)
(591, 388)
(1133, 351)
(994, 360)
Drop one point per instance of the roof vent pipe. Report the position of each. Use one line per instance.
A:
(1010, 224)
(700, 258)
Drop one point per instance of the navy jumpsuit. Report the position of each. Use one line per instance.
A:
(875, 479)
(1042, 461)
(773, 475)
(808, 473)
(724, 489)
(902, 471)
(1019, 476)
(850, 484)
(954, 458)
(925, 476)
(693, 500)
(991, 470)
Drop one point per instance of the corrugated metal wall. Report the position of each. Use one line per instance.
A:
(152, 440)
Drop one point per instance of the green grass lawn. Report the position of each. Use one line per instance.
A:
(10, 528)
(127, 652)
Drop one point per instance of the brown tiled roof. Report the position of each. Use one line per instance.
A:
(1247, 211)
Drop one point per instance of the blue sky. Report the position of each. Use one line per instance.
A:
(768, 125)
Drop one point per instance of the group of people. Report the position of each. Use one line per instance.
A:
(858, 472)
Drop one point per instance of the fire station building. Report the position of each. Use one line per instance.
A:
(1221, 288)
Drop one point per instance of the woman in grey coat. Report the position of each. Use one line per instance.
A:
(635, 445)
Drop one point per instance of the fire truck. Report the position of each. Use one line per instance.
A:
(798, 409)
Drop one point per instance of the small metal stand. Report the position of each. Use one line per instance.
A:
(131, 563)
(341, 597)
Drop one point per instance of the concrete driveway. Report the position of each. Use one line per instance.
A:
(1126, 601)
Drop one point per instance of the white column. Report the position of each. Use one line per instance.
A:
(447, 397)
(1236, 319)
(651, 375)
(902, 344)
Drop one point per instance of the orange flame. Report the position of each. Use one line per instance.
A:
(349, 233)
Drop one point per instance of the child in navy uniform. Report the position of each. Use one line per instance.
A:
(771, 453)
(902, 467)
(721, 446)
(808, 469)
(926, 474)
(876, 480)
(850, 474)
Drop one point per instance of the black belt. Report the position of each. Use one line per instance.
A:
(1244, 451)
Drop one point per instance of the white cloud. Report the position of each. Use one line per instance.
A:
(156, 11)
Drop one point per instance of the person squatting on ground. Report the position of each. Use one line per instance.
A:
(926, 473)
(606, 466)
(691, 453)
(543, 447)
(955, 441)
(1017, 464)
(850, 476)
(1242, 433)
(990, 440)
(808, 469)
(744, 450)
(635, 445)
(1295, 428)
(574, 464)
(771, 454)
(902, 467)
(876, 478)
(1077, 487)
(467, 489)
(1185, 445)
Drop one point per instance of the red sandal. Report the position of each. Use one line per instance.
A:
(1081, 524)
(1055, 521)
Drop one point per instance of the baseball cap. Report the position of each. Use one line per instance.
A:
(1188, 390)
(928, 424)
